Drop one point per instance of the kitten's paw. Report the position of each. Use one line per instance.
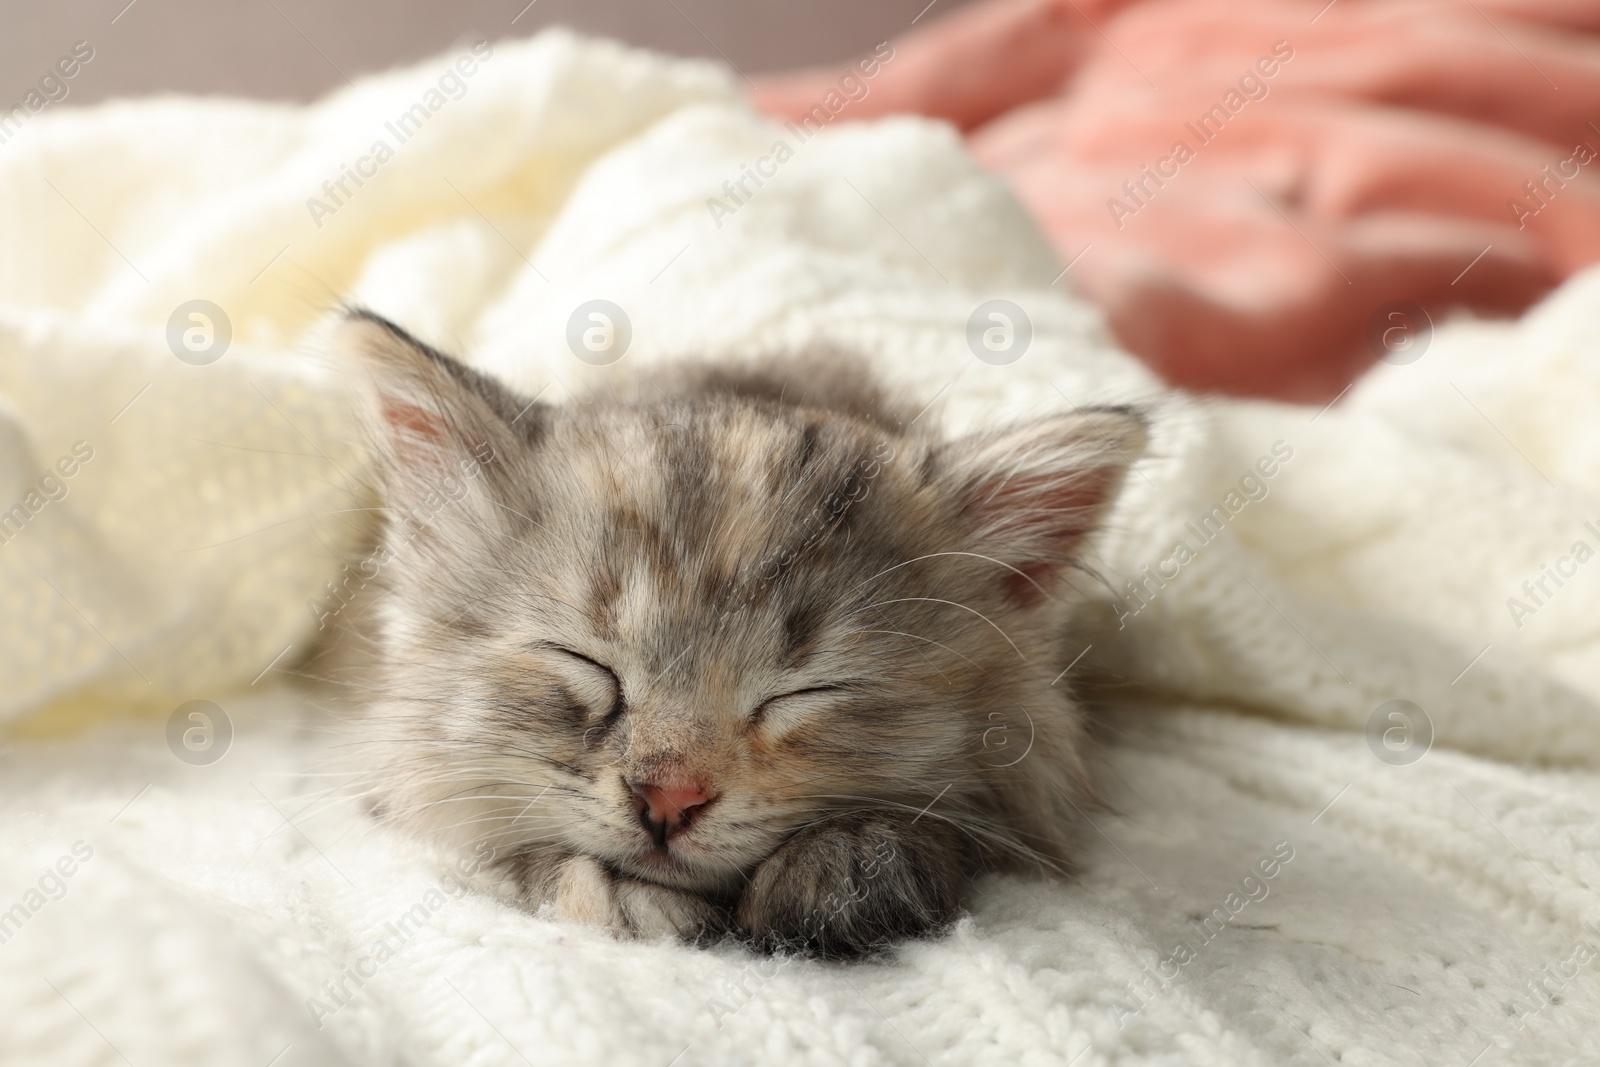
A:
(586, 892)
(655, 911)
(848, 885)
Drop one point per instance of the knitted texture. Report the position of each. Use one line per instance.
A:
(1417, 912)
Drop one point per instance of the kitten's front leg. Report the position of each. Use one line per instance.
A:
(846, 885)
(586, 892)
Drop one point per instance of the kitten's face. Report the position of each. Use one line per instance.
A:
(669, 633)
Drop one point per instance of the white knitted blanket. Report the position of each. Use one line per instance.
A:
(1269, 891)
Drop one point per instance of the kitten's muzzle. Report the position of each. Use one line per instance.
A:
(667, 810)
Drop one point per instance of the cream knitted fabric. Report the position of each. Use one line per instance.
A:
(225, 913)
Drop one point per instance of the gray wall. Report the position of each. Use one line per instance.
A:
(297, 49)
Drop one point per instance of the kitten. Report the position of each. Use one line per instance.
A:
(726, 653)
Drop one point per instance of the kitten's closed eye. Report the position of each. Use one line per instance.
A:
(593, 687)
(781, 713)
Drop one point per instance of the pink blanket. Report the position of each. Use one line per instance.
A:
(1247, 186)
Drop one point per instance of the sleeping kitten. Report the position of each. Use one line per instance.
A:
(723, 654)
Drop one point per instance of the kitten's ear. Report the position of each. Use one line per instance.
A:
(1032, 494)
(431, 416)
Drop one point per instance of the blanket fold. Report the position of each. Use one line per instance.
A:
(1398, 545)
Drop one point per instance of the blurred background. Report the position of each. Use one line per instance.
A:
(1262, 196)
(299, 49)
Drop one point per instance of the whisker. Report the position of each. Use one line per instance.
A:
(963, 607)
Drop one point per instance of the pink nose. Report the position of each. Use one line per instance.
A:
(667, 810)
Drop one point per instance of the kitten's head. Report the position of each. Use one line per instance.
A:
(670, 630)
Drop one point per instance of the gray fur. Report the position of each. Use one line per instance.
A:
(625, 589)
